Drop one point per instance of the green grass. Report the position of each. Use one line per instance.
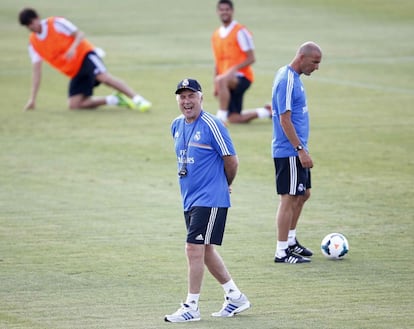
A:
(91, 227)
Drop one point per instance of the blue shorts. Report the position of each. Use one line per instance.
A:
(84, 81)
(291, 177)
(205, 225)
(236, 95)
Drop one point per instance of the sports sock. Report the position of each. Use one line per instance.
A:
(111, 100)
(192, 300)
(222, 115)
(281, 247)
(262, 113)
(231, 289)
(292, 237)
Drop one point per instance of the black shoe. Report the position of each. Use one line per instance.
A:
(298, 249)
(291, 258)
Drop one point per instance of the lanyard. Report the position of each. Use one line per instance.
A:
(183, 169)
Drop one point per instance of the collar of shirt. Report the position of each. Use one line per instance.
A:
(224, 31)
(42, 35)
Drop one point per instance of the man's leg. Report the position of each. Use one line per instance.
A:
(223, 85)
(293, 242)
(235, 108)
(285, 214)
(116, 83)
(137, 100)
(234, 300)
(195, 257)
(85, 102)
(297, 210)
(215, 265)
(189, 310)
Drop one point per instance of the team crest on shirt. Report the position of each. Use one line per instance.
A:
(197, 136)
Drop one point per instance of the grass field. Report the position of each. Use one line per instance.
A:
(91, 227)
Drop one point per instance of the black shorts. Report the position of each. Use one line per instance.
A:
(291, 177)
(84, 82)
(236, 95)
(205, 225)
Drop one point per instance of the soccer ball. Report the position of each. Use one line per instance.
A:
(334, 246)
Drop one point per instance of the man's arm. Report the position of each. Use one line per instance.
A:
(231, 163)
(248, 61)
(232, 71)
(36, 78)
(79, 35)
(290, 132)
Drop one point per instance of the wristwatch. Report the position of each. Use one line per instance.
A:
(298, 148)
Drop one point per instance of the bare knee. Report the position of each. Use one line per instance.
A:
(194, 251)
(75, 102)
(80, 105)
(221, 84)
(306, 196)
(74, 105)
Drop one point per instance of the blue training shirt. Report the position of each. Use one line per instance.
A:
(288, 93)
(202, 144)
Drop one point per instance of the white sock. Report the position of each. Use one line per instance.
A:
(222, 115)
(192, 300)
(292, 237)
(231, 289)
(281, 247)
(112, 100)
(262, 113)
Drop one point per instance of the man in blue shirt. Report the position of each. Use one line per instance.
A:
(290, 150)
(207, 166)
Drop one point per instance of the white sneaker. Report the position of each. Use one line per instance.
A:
(184, 314)
(233, 306)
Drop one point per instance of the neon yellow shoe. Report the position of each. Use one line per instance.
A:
(124, 100)
(143, 105)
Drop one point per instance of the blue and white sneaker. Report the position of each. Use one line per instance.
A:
(184, 314)
(232, 307)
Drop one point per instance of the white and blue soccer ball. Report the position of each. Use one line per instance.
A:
(334, 246)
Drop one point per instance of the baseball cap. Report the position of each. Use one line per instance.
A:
(191, 84)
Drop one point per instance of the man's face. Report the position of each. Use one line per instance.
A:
(189, 103)
(35, 26)
(310, 62)
(225, 12)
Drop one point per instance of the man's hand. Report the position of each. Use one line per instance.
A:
(70, 54)
(30, 105)
(305, 159)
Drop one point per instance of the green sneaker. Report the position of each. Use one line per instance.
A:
(124, 100)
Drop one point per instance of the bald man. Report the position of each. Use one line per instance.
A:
(290, 150)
